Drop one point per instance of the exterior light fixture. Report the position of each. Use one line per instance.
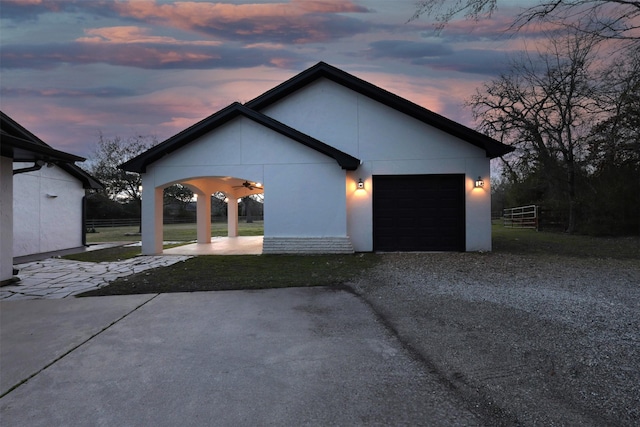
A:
(360, 184)
(479, 182)
(226, 200)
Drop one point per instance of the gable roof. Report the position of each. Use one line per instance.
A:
(23, 146)
(492, 147)
(139, 163)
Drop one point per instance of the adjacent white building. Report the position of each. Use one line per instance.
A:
(48, 210)
(344, 166)
(41, 198)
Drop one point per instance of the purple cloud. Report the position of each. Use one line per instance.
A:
(295, 21)
(102, 92)
(405, 49)
(475, 61)
(146, 56)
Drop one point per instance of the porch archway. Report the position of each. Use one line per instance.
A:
(234, 188)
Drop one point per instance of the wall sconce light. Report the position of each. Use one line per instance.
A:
(226, 200)
(360, 184)
(479, 182)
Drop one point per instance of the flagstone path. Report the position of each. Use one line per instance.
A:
(55, 278)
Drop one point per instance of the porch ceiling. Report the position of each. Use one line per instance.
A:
(229, 185)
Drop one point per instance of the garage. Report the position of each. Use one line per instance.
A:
(348, 167)
(418, 212)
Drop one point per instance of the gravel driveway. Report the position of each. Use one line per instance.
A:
(529, 340)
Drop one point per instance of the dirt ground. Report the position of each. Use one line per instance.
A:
(524, 340)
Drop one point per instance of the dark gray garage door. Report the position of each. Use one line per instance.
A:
(418, 213)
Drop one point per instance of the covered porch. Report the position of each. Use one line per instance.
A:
(205, 189)
(239, 245)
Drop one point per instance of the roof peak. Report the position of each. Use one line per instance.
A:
(322, 69)
(230, 112)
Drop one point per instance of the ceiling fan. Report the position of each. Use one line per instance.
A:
(250, 185)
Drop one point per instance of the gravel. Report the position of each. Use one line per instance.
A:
(524, 340)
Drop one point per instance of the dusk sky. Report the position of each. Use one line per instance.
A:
(71, 70)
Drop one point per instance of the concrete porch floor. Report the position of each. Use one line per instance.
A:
(241, 245)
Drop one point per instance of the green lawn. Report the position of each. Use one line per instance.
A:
(218, 272)
(525, 241)
(206, 273)
(172, 232)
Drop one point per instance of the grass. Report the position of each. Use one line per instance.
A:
(116, 253)
(172, 232)
(217, 272)
(208, 273)
(531, 242)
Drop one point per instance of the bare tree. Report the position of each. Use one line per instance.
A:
(616, 140)
(108, 153)
(614, 154)
(610, 19)
(178, 193)
(605, 19)
(545, 107)
(443, 11)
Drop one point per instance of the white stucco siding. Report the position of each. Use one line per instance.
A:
(304, 189)
(478, 205)
(6, 218)
(238, 149)
(477, 200)
(307, 195)
(220, 147)
(386, 134)
(392, 143)
(388, 142)
(365, 128)
(263, 146)
(47, 209)
(359, 208)
(325, 110)
(305, 200)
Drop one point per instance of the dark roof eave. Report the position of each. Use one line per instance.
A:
(88, 181)
(21, 150)
(21, 145)
(492, 147)
(139, 163)
(346, 161)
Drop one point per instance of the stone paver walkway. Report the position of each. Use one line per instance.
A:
(56, 278)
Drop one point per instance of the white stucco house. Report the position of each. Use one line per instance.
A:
(343, 164)
(42, 201)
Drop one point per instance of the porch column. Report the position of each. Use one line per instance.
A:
(232, 217)
(203, 218)
(151, 220)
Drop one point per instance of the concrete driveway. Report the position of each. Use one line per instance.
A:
(298, 356)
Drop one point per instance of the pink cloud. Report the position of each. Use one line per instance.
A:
(186, 14)
(133, 34)
(265, 46)
(302, 20)
(25, 2)
(499, 25)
